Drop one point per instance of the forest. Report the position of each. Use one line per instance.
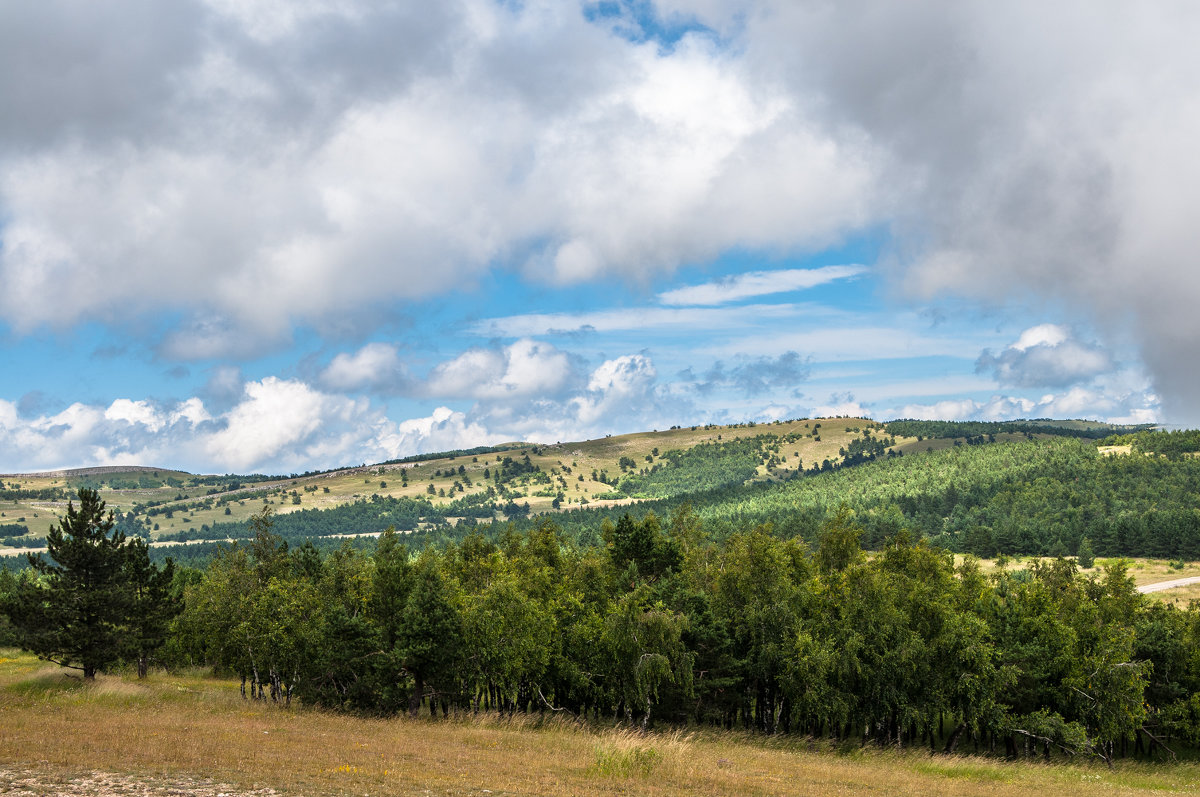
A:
(660, 624)
(1029, 497)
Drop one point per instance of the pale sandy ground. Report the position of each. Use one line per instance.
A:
(17, 783)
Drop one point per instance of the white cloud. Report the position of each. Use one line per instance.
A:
(1045, 356)
(251, 166)
(1076, 402)
(758, 283)
(192, 410)
(275, 415)
(135, 412)
(285, 425)
(386, 153)
(1041, 335)
(376, 366)
(849, 408)
(774, 412)
(523, 369)
(642, 318)
(443, 430)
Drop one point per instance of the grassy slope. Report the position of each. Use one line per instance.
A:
(353, 483)
(195, 726)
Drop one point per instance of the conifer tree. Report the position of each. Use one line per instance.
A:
(74, 614)
(1086, 558)
(151, 604)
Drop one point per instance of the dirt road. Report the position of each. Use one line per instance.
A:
(1159, 586)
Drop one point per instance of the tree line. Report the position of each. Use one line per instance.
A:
(657, 623)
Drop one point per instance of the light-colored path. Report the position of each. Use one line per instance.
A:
(1159, 586)
(176, 543)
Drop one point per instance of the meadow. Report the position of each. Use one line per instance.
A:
(186, 731)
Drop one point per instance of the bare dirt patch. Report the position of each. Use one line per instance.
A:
(37, 783)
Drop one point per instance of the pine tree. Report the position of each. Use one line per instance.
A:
(75, 614)
(1086, 558)
(430, 633)
(151, 608)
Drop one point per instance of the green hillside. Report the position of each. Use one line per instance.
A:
(494, 482)
(1030, 487)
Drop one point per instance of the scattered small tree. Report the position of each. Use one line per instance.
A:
(1085, 557)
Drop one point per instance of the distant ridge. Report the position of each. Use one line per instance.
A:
(96, 471)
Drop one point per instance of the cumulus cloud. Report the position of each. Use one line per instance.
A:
(281, 425)
(125, 432)
(1045, 356)
(621, 385)
(841, 404)
(621, 394)
(376, 366)
(262, 164)
(276, 415)
(442, 430)
(521, 370)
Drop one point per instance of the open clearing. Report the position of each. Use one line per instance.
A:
(192, 734)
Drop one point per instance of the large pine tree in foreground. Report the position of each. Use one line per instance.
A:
(75, 614)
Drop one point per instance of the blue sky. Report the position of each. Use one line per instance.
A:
(267, 236)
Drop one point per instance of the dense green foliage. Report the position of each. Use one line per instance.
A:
(659, 624)
(41, 494)
(1014, 498)
(701, 467)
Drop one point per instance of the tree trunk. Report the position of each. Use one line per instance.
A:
(414, 699)
(952, 742)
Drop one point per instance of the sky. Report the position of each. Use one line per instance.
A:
(286, 235)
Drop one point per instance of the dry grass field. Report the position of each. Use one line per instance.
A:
(192, 734)
(1143, 571)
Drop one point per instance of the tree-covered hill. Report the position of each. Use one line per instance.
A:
(968, 487)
